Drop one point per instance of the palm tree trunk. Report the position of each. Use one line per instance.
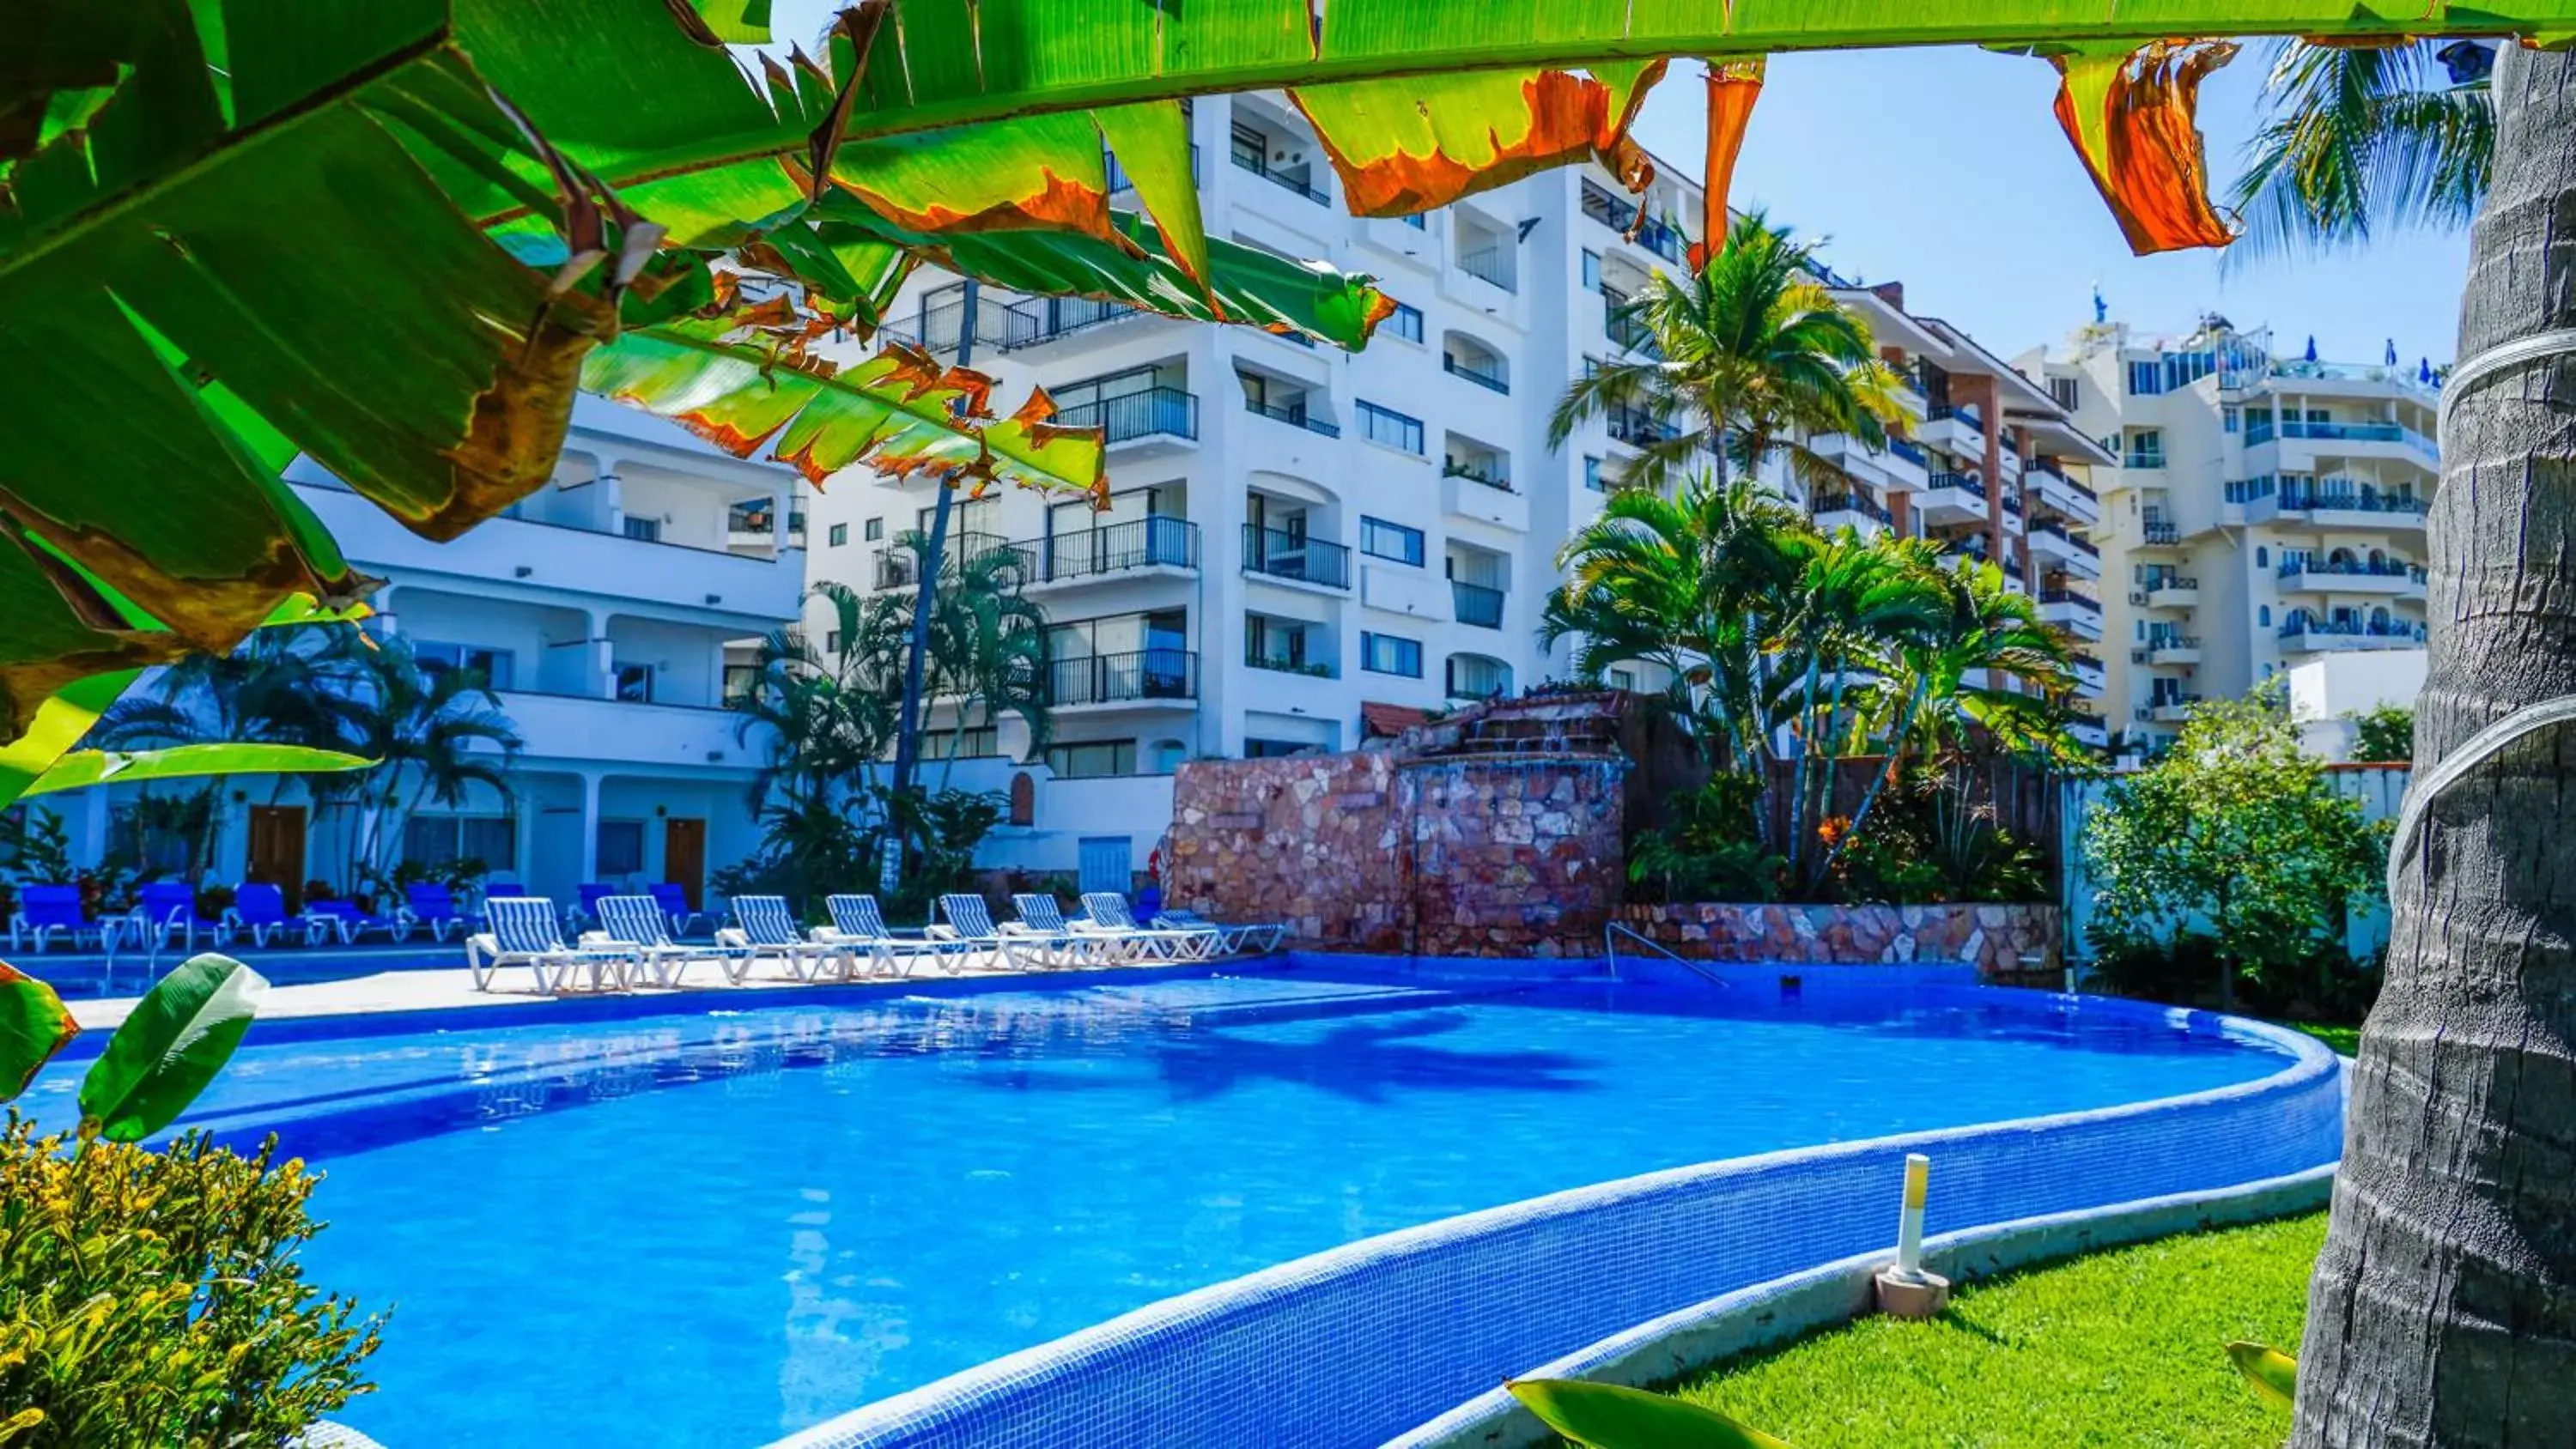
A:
(2443, 1311)
(1806, 746)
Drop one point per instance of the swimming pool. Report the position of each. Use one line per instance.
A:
(734, 1217)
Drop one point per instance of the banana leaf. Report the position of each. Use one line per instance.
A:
(81, 769)
(1607, 1416)
(2274, 1375)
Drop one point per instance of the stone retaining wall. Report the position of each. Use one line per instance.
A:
(1992, 938)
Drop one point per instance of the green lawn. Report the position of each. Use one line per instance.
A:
(2345, 1039)
(2119, 1349)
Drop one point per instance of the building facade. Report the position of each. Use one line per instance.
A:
(1305, 548)
(2263, 512)
(604, 609)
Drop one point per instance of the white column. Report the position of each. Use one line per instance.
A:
(603, 654)
(589, 827)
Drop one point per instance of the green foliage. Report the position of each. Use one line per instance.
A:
(34, 1024)
(154, 1299)
(2239, 829)
(169, 1047)
(1711, 850)
(35, 846)
(1608, 1416)
(2361, 139)
(2385, 734)
(1930, 842)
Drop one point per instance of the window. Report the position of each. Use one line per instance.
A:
(635, 683)
(2262, 557)
(493, 664)
(1381, 539)
(1390, 654)
(739, 682)
(1404, 322)
(1385, 425)
(1591, 270)
(2263, 615)
(642, 530)
(2146, 379)
(621, 848)
(2227, 419)
(1623, 679)
(1473, 676)
(1276, 749)
(2062, 390)
(972, 744)
(1092, 758)
(444, 839)
(838, 535)
(2146, 448)
(832, 638)
(874, 530)
(1592, 475)
(1251, 149)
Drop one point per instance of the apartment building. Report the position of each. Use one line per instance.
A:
(1306, 548)
(605, 609)
(2263, 511)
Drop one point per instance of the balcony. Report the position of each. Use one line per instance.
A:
(511, 556)
(1281, 179)
(900, 568)
(2158, 533)
(1037, 321)
(2172, 708)
(2337, 501)
(2172, 649)
(1906, 464)
(1482, 375)
(2259, 430)
(2076, 613)
(1948, 498)
(1835, 511)
(2318, 576)
(1625, 330)
(2064, 494)
(2064, 550)
(1295, 417)
(658, 737)
(1145, 676)
(1477, 604)
(1276, 664)
(1622, 217)
(1113, 549)
(1273, 553)
(1159, 413)
(1467, 491)
(2089, 730)
(2317, 637)
(1639, 429)
(1955, 430)
(2172, 591)
(2012, 515)
(2089, 674)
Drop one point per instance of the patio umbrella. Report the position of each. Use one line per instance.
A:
(2312, 347)
(2392, 352)
(2424, 371)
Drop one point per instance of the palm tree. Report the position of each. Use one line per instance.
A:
(2446, 1294)
(438, 735)
(2356, 140)
(1754, 350)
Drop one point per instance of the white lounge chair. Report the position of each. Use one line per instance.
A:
(639, 924)
(1240, 938)
(856, 922)
(971, 923)
(1180, 943)
(764, 927)
(1145, 942)
(1041, 915)
(524, 932)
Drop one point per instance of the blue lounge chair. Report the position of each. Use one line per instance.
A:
(970, 922)
(1043, 915)
(45, 911)
(765, 927)
(167, 909)
(433, 907)
(636, 924)
(525, 933)
(348, 920)
(261, 910)
(675, 904)
(856, 921)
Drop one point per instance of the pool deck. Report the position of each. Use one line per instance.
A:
(439, 989)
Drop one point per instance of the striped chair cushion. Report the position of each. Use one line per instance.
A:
(524, 925)
(968, 915)
(1041, 912)
(635, 920)
(858, 916)
(1109, 908)
(766, 921)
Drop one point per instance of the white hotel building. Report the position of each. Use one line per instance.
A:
(602, 608)
(1306, 547)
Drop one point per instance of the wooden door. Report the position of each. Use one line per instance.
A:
(684, 856)
(277, 850)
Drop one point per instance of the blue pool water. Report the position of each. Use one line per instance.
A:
(715, 1227)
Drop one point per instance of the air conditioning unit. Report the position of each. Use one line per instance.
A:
(2137, 596)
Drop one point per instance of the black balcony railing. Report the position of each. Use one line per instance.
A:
(2351, 629)
(2304, 496)
(1477, 604)
(1489, 474)
(1910, 450)
(1966, 482)
(1640, 429)
(2083, 604)
(2156, 642)
(1281, 179)
(1139, 543)
(2041, 470)
(1628, 331)
(1482, 375)
(1283, 555)
(2155, 581)
(1294, 416)
(900, 568)
(1965, 413)
(1113, 678)
(1621, 216)
(2294, 566)
(1859, 503)
(1037, 320)
(1154, 413)
(2157, 531)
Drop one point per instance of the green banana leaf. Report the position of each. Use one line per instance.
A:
(177, 1037)
(1606, 1416)
(34, 1024)
(81, 769)
(2274, 1374)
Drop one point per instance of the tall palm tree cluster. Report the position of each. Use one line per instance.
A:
(436, 733)
(1786, 651)
(830, 713)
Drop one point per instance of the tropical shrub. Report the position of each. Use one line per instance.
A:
(1710, 850)
(1930, 842)
(152, 1299)
(2384, 734)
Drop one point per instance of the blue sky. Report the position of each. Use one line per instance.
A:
(1946, 170)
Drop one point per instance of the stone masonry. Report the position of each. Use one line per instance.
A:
(1993, 938)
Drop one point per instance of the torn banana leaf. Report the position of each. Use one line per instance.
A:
(898, 412)
(1411, 145)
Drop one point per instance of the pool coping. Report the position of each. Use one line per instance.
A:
(1080, 1368)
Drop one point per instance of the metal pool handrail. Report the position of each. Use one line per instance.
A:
(1613, 930)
